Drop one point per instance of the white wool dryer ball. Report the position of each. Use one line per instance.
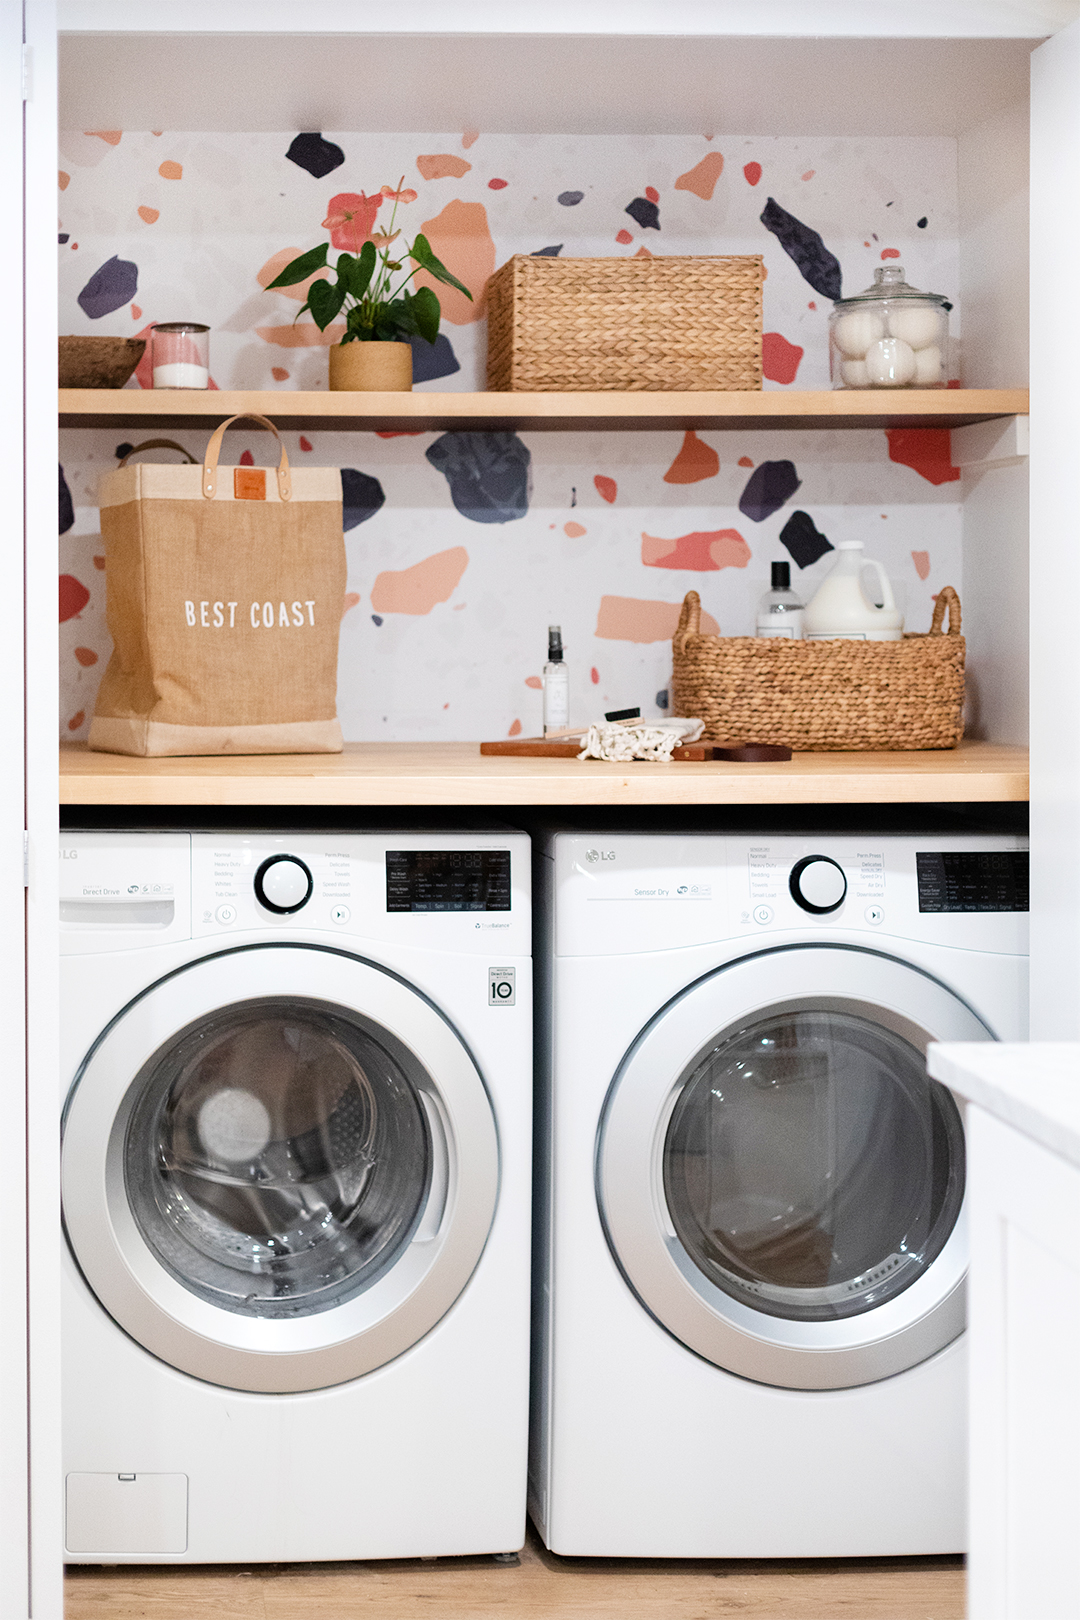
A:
(917, 324)
(854, 332)
(854, 374)
(234, 1125)
(890, 363)
(928, 366)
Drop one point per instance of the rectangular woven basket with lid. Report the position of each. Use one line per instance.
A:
(594, 325)
(823, 695)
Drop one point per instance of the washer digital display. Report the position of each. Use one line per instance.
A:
(963, 881)
(448, 880)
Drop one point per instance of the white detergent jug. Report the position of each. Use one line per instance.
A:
(841, 609)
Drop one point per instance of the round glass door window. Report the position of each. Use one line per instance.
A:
(811, 1168)
(278, 1158)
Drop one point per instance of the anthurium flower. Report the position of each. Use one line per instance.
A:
(377, 310)
(350, 219)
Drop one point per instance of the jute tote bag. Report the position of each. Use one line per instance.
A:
(224, 597)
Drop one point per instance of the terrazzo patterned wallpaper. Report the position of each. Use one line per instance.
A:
(462, 548)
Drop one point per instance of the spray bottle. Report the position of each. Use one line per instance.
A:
(556, 685)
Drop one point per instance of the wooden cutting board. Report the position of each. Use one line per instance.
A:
(561, 748)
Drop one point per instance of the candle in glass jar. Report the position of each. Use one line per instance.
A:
(181, 374)
(180, 355)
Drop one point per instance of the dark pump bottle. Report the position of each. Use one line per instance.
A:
(780, 611)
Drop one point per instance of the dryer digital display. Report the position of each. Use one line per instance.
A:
(967, 881)
(448, 880)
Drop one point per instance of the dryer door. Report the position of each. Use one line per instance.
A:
(780, 1181)
(280, 1168)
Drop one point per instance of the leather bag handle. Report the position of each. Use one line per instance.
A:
(160, 444)
(213, 451)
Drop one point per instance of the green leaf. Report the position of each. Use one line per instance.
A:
(358, 272)
(325, 302)
(421, 254)
(299, 269)
(425, 310)
(393, 322)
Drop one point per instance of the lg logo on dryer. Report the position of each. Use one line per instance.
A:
(599, 855)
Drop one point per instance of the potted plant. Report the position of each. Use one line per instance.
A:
(381, 314)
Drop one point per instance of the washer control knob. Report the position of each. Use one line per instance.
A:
(818, 884)
(283, 884)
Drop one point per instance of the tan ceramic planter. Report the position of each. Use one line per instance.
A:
(372, 368)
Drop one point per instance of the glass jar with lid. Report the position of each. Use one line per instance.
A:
(890, 336)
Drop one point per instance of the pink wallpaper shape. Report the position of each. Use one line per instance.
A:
(420, 588)
(629, 618)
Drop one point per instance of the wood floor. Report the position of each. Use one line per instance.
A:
(542, 1587)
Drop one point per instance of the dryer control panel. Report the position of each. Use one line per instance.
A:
(652, 892)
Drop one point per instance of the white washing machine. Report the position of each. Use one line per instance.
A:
(751, 1244)
(296, 1189)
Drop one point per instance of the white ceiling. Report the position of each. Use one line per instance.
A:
(935, 19)
(520, 83)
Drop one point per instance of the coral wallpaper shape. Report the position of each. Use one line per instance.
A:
(463, 548)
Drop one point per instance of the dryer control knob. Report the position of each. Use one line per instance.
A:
(818, 884)
(283, 884)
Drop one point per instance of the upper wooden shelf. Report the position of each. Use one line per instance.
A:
(457, 774)
(294, 410)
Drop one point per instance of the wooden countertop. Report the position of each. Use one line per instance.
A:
(456, 774)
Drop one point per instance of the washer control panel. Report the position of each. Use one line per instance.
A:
(454, 891)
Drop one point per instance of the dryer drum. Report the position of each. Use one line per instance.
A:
(811, 1168)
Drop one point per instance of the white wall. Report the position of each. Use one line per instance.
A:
(993, 164)
(1055, 529)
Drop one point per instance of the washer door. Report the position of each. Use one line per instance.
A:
(280, 1168)
(780, 1181)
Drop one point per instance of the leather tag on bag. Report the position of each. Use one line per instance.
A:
(249, 483)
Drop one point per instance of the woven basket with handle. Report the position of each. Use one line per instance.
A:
(827, 695)
(597, 324)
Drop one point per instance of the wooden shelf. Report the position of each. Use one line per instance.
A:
(294, 410)
(455, 773)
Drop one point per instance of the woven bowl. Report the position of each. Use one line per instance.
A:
(98, 362)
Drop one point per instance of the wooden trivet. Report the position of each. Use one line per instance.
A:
(560, 748)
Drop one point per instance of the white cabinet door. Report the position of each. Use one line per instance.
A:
(1055, 530)
(29, 949)
(1024, 1321)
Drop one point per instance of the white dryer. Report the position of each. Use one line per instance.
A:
(751, 1247)
(296, 1189)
